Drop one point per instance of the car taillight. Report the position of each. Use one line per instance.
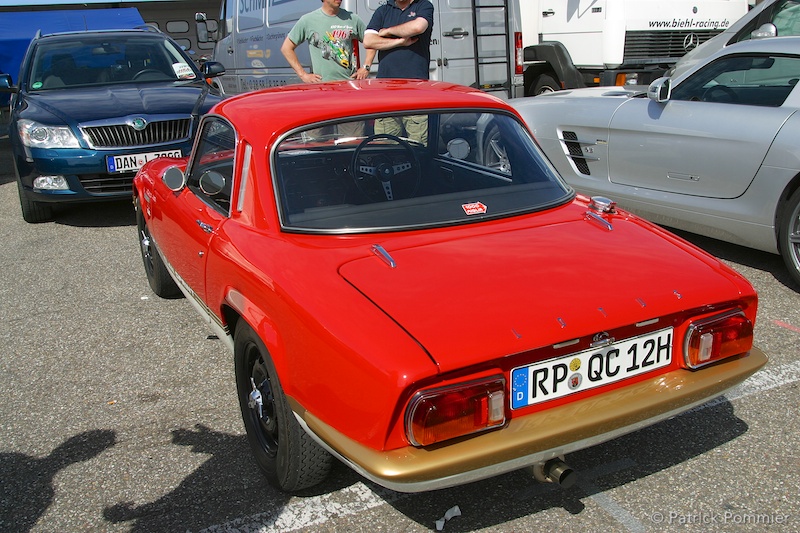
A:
(518, 53)
(454, 411)
(718, 337)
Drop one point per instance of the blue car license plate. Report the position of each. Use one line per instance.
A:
(133, 162)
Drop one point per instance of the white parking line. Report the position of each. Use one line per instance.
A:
(606, 502)
(770, 377)
(307, 512)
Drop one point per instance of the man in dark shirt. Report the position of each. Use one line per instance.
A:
(401, 32)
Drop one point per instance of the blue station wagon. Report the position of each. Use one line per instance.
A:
(91, 108)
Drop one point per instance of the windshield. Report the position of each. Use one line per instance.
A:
(408, 171)
(104, 59)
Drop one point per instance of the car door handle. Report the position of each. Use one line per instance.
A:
(456, 33)
(548, 13)
(208, 228)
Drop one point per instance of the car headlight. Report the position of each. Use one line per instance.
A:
(37, 135)
(627, 78)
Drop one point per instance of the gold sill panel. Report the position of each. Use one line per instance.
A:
(536, 437)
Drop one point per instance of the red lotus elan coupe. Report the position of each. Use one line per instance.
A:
(406, 284)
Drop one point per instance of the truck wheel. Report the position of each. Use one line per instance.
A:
(545, 84)
(789, 236)
(33, 212)
(288, 456)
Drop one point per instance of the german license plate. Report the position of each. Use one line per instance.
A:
(133, 162)
(592, 368)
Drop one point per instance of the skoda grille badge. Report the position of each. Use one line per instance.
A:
(139, 123)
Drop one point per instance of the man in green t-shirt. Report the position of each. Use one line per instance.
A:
(330, 31)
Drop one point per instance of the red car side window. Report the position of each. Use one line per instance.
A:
(211, 173)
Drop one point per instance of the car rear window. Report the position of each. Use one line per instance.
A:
(396, 172)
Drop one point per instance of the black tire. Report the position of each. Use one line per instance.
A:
(545, 84)
(288, 456)
(33, 212)
(158, 276)
(789, 236)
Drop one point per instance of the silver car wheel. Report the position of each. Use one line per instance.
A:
(789, 233)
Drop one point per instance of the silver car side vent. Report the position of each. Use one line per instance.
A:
(576, 153)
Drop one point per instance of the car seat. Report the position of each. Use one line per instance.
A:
(62, 72)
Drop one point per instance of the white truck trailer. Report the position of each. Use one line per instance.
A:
(512, 48)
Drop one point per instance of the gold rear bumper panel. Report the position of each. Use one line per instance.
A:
(537, 437)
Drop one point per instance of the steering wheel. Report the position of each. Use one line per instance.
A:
(150, 72)
(387, 174)
(708, 95)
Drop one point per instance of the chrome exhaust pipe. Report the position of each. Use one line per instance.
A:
(555, 470)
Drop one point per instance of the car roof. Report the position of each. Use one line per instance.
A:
(283, 108)
(68, 35)
(789, 45)
(721, 40)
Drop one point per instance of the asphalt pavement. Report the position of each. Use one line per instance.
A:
(119, 413)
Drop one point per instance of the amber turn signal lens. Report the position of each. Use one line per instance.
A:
(445, 413)
(718, 337)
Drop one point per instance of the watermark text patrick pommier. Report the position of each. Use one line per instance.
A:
(728, 517)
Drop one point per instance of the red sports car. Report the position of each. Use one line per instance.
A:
(406, 284)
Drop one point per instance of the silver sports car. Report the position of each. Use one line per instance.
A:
(714, 151)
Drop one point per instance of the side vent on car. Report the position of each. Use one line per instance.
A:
(575, 152)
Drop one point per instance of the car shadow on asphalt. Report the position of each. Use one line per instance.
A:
(228, 489)
(6, 158)
(495, 501)
(26, 490)
(111, 214)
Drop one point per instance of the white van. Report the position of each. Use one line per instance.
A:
(249, 35)
(770, 18)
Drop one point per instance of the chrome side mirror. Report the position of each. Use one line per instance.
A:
(212, 183)
(174, 179)
(765, 30)
(458, 148)
(660, 90)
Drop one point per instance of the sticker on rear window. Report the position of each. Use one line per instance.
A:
(474, 208)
